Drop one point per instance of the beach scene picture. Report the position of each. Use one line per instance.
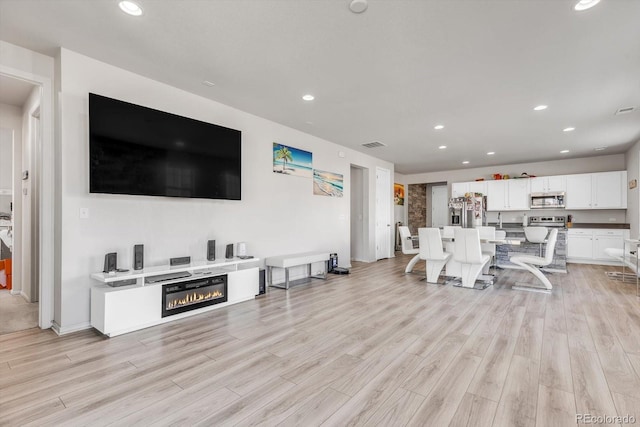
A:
(327, 183)
(291, 161)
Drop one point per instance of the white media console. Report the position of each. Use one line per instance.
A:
(118, 310)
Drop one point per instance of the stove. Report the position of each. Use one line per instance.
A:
(547, 221)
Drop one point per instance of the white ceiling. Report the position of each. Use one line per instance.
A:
(389, 74)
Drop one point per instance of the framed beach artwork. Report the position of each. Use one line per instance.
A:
(398, 194)
(291, 161)
(327, 183)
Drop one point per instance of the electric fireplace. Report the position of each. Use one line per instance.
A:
(194, 294)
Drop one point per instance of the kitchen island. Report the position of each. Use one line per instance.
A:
(516, 231)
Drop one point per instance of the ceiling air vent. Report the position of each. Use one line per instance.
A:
(374, 144)
(625, 110)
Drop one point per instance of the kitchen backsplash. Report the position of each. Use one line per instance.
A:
(613, 216)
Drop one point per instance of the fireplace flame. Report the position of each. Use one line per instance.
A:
(193, 298)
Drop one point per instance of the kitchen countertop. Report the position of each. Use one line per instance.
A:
(513, 226)
(615, 226)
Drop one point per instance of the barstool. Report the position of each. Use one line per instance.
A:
(536, 235)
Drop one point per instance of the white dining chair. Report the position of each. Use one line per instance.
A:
(488, 233)
(536, 235)
(431, 252)
(407, 247)
(534, 264)
(468, 253)
(448, 230)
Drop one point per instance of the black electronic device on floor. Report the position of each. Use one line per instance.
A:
(340, 270)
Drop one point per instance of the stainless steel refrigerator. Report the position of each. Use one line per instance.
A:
(468, 212)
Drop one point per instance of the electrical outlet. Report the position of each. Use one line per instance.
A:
(84, 213)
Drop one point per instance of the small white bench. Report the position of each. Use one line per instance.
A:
(294, 260)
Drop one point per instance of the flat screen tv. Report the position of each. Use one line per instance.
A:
(142, 151)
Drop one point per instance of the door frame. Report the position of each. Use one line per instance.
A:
(384, 191)
(46, 197)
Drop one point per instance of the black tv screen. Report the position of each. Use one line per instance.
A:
(142, 151)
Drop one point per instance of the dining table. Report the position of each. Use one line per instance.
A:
(453, 267)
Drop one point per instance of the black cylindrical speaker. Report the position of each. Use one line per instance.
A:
(211, 250)
(138, 257)
(262, 289)
(110, 262)
(229, 252)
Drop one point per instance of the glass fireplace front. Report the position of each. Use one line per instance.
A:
(186, 296)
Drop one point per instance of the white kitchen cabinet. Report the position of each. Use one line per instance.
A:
(508, 195)
(603, 239)
(459, 189)
(518, 194)
(603, 190)
(497, 195)
(478, 187)
(578, 191)
(580, 244)
(609, 190)
(548, 184)
(588, 245)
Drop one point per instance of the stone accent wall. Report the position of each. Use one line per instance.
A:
(417, 207)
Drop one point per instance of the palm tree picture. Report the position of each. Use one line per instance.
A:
(283, 153)
(292, 161)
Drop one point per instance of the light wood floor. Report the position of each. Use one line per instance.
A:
(376, 347)
(16, 313)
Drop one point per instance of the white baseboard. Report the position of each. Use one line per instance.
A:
(60, 330)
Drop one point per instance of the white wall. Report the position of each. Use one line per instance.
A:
(277, 214)
(633, 200)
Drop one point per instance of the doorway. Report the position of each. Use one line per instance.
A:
(20, 103)
(359, 216)
(384, 195)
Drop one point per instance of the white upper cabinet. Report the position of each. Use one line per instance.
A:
(459, 189)
(518, 194)
(548, 184)
(603, 190)
(497, 195)
(578, 191)
(508, 195)
(609, 190)
(478, 187)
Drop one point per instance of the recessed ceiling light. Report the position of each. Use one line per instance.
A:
(208, 83)
(600, 148)
(540, 107)
(442, 147)
(569, 129)
(308, 97)
(491, 153)
(585, 4)
(130, 8)
(438, 127)
(564, 151)
(358, 6)
(466, 162)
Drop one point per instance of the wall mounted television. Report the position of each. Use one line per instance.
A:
(141, 151)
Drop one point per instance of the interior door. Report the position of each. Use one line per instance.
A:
(439, 206)
(384, 195)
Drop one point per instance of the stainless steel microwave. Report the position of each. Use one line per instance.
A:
(547, 200)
